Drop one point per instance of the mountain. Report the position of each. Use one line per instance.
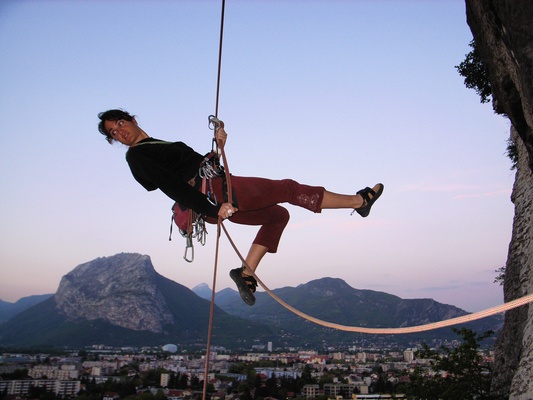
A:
(221, 297)
(8, 310)
(333, 300)
(203, 291)
(122, 301)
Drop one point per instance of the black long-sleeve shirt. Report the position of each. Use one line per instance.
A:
(167, 166)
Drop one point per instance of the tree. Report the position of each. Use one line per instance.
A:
(475, 74)
(39, 392)
(476, 77)
(457, 374)
(183, 381)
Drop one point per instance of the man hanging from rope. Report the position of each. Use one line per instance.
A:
(174, 169)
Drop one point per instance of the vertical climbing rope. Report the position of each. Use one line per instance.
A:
(212, 307)
(220, 55)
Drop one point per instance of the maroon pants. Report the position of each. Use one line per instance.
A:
(258, 203)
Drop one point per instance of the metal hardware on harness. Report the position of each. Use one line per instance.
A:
(208, 170)
(187, 247)
(197, 231)
(214, 124)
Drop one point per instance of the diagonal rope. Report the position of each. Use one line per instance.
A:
(388, 331)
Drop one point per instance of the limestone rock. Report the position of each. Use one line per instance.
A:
(121, 290)
(514, 349)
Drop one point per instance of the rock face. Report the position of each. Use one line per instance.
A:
(503, 31)
(514, 349)
(121, 290)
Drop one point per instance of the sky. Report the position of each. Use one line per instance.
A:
(336, 93)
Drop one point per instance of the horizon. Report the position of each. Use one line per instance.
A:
(259, 288)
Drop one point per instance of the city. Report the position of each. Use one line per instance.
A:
(101, 372)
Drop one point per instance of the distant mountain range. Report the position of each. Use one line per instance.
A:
(122, 301)
(333, 300)
(8, 310)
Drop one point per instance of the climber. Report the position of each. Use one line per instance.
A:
(173, 168)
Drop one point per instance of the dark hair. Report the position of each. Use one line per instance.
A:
(112, 115)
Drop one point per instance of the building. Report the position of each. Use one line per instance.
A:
(311, 391)
(63, 373)
(22, 387)
(164, 380)
(408, 355)
(174, 394)
(278, 372)
(338, 389)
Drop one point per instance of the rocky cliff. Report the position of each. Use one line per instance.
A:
(503, 31)
(122, 301)
(514, 349)
(102, 288)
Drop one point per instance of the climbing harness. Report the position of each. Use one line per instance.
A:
(191, 225)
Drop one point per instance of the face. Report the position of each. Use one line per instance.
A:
(125, 132)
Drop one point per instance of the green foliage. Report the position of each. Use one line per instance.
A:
(17, 374)
(501, 275)
(475, 74)
(37, 392)
(456, 374)
(95, 390)
(512, 153)
(151, 377)
(476, 77)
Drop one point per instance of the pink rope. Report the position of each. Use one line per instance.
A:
(388, 331)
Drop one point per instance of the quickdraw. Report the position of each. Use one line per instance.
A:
(196, 230)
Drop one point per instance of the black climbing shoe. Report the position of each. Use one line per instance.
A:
(364, 210)
(245, 284)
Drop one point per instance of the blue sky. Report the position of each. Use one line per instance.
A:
(341, 94)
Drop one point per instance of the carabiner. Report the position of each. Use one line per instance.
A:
(188, 246)
(215, 123)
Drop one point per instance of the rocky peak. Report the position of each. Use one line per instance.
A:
(121, 289)
(326, 287)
